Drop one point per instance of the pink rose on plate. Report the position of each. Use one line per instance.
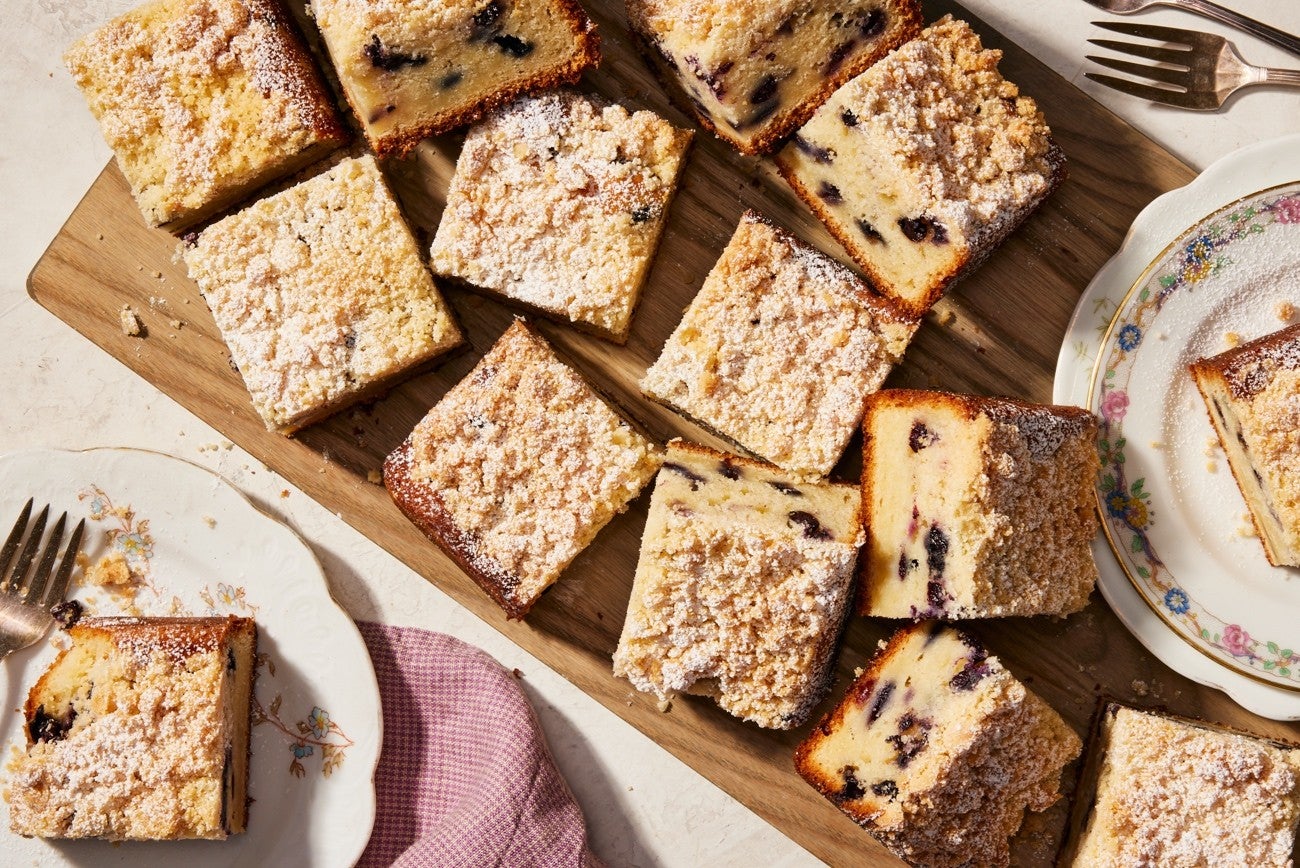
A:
(1114, 404)
(1287, 210)
(1236, 641)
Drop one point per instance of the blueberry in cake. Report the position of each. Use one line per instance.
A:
(754, 72)
(413, 70)
(203, 102)
(779, 349)
(976, 507)
(557, 205)
(938, 750)
(742, 586)
(924, 163)
(1250, 393)
(517, 468)
(320, 294)
(139, 731)
(1180, 793)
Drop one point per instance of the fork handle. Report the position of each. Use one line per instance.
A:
(1280, 76)
(1272, 35)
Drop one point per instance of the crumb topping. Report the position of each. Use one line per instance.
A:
(320, 293)
(200, 97)
(559, 203)
(742, 585)
(145, 757)
(970, 140)
(1172, 793)
(528, 462)
(779, 349)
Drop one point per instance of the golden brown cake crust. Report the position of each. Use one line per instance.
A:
(1247, 369)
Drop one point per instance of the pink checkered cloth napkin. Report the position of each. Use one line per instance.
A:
(465, 777)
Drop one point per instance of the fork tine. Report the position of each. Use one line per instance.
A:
(29, 550)
(15, 536)
(1190, 38)
(45, 567)
(1178, 56)
(58, 587)
(1202, 101)
(1142, 70)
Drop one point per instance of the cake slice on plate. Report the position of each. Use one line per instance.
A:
(1251, 394)
(139, 731)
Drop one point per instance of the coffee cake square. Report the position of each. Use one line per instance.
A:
(924, 163)
(320, 294)
(557, 205)
(203, 102)
(938, 751)
(742, 586)
(414, 70)
(754, 71)
(517, 468)
(1174, 791)
(976, 507)
(779, 350)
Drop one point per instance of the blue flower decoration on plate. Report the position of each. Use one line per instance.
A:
(1176, 601)
(1129, 337)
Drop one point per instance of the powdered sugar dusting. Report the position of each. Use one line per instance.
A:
(779, 349)
(528, 463)
(201, 99)
(558, 203)
(320, 293)
(730, 592)
(1173, 793)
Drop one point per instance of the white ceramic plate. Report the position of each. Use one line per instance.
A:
(202, 549)
(1213, 258)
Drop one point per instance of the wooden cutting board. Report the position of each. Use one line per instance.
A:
(998, 332)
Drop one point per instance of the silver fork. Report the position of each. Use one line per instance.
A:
(1202, 69)
(1214, 12)
(27, 593)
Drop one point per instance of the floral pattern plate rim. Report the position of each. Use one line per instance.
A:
(195, 545)
(1142, 312)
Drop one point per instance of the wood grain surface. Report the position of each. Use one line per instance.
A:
(998, 332)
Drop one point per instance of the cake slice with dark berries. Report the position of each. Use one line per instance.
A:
(753, 72)
(139, 731)
(938, 750)
(320, 294)
(924, 163)
(742, 586)
(976, 507)
(517, 468)
(779, 349)
(1250, 393)
(203, 102)
(414, 70)
(1179, 792)
(558, 204)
